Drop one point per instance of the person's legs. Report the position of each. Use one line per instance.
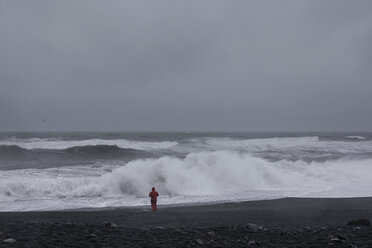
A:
(153, 205)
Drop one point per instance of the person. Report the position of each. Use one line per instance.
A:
(154, 197)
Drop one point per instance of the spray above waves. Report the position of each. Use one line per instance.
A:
(199, 177)
(227, 172)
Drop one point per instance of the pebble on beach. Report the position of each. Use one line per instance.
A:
(10, 241)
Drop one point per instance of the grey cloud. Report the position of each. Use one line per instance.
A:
(185, 65)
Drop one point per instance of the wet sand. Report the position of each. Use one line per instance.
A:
(290, 222)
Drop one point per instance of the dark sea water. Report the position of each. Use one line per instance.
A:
(49, 171)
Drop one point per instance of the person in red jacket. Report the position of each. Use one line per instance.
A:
(154, 195)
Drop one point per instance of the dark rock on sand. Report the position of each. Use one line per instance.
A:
(319, 229)
(110, 224)
(10, 241)
(356, 228)
(340, 237)
(253, 227)
(359, 222)
(253, 243)
(92, 235)
(199, 241)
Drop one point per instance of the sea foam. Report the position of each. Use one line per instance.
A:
(199, 177)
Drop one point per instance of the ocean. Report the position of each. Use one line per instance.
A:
(59, 171)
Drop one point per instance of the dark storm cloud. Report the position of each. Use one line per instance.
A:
(185, 65)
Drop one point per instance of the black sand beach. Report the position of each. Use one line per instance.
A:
(290, 222)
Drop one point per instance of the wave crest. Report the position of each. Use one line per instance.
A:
(211, 174)
(355, 137)
(58, 144)
(97, 151)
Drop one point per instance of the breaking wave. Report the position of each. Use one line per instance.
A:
(292, 144)
(80, 151)
(59, 144)
(355, 137)
(16, 158)
(212, 175)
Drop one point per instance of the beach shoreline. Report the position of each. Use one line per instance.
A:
(272, 223)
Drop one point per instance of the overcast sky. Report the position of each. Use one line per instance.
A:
(186, 65)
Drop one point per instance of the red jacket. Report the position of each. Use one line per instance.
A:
(153, 194)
